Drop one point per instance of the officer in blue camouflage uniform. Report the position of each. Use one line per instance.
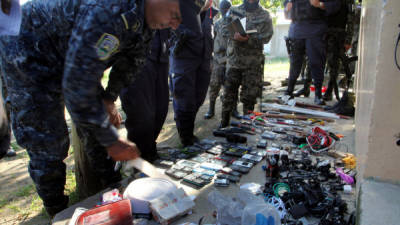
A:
(190, 71)
(59, 57)
(145, 101)
(245, 59)
(307, 33)
(338, 37)
(221, 35)
(10, 23)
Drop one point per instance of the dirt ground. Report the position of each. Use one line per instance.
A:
(19, 203)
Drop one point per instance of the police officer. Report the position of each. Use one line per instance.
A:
(145, 101)
(59, 57)
(10, 22)
(307, 33)
(190, 71)
(221, 35)
(245, 58)
(306, 77)
(338, 41)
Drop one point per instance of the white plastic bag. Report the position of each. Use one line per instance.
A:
(260, 213)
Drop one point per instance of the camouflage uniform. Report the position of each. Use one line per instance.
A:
(244, 61)
(221, 35)
(336, 38)
(353, 31)
(60, 56)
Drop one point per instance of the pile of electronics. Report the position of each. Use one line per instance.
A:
(219, 162)
(302, 181)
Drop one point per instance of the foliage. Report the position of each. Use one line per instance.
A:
(272, 5)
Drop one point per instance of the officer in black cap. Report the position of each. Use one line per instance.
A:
(307, 36)
(59, 58)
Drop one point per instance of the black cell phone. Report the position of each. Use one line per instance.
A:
(216, 150)
(194, 180)
(240, 169)
(262, 144)
(164, 163)
(235, 152)
(221, 182)
(229, 177)
(226, 158)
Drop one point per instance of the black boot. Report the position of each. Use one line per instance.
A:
(211, 111)
(236, 114)
(59, 206)
(290, 88)
(304, 91)
(318, 95)
(186, 141)
(225, 117)
(328, 92)
(247, 109)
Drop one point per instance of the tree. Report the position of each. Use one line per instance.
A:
(271, 5)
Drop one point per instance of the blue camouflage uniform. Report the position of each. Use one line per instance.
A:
(190, 72)
(146, 100)
(307, 33)
(59, 59)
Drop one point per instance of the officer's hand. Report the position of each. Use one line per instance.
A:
(238, 37)
(289, 7)
(347, 47)
(115, 116)
(123, 150)
(317, 4)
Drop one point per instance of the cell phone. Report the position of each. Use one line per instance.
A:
(252, 158)
(243, 164)
(221, 182)
(230, 171)
(216, 150)
(164, 163)
(188, 163)
(177, 174)
(235, 152)
(268, 135)
(199, 159)
(211, 166)
(195, 180)
(240, 169)
(228, 177)
(204, 171)
(262, 144)
(226, 158)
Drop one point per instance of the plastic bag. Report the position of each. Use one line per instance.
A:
(259, 213)
(229, 210)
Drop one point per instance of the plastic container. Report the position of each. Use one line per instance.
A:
(142, 190)
(260, 213)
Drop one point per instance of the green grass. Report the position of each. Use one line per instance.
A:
(25, 191)
(276, 65)
(70, 187)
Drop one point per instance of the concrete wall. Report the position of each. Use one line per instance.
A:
(378, 92)
(277, 43)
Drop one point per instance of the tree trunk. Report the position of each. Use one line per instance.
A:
(87, 183)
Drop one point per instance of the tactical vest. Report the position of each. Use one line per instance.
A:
(302, 10)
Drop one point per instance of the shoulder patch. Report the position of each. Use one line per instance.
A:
(106, 46)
